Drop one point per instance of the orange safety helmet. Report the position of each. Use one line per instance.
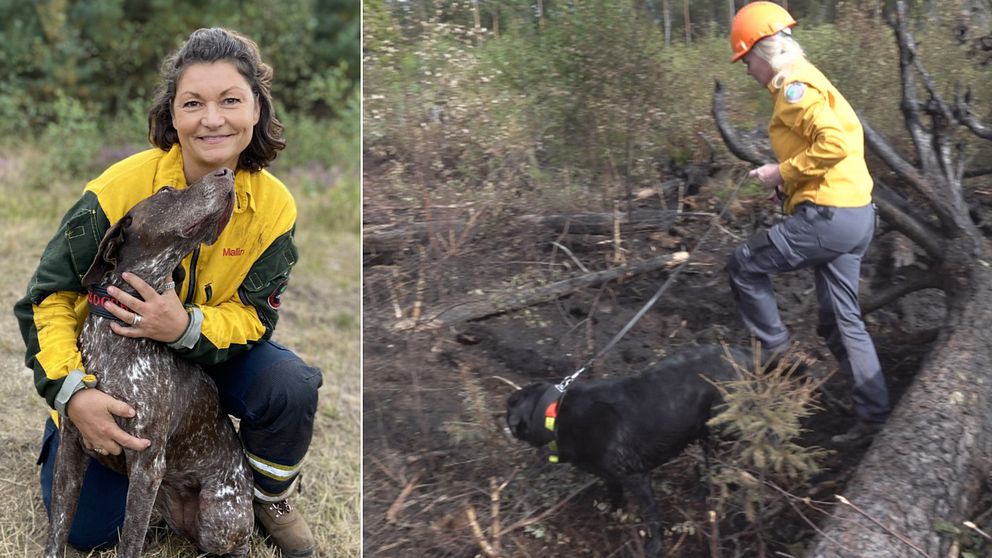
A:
(754, 22)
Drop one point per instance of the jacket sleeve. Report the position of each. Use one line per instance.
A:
(813, 119)
(47, 315)
(234, 326)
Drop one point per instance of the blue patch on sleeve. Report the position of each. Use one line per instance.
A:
(794, 91)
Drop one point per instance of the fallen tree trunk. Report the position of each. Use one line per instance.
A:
(393, 238)
(474, 308)
(928, 464)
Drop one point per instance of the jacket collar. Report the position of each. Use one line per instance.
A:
(170, 173)
(800, 70)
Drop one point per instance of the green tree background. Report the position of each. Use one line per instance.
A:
(81, 74)
(558, 97)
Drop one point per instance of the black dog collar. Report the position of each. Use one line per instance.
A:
(546, 415)
(97, 297)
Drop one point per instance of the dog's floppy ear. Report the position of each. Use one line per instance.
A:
(106, 255)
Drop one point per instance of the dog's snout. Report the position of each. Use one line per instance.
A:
(222, 172)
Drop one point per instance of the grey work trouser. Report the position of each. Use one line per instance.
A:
(832, 241)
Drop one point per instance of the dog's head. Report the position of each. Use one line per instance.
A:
(525, 410)
(156, 234)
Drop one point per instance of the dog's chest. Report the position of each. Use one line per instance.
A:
(140, 372)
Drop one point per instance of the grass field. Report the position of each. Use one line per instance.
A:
(320, 321)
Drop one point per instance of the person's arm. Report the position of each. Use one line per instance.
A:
(218, 333)
(812, 117)
(49, 322)
(47, 314)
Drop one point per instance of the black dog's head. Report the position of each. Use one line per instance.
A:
(525, 412)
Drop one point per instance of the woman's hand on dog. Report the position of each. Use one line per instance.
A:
(93, 412)
(163, 317)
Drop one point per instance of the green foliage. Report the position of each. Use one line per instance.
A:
(106, 53)
(70, 139)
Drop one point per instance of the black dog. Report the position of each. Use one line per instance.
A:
(621, 429)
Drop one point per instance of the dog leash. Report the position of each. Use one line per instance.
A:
(563, 385)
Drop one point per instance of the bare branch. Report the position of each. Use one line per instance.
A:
(742, 149)
(910, 105)
(915, 280)
(908, 172)
(964, 115)
(903, 217)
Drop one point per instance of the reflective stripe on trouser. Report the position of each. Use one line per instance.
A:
(274, 393)
(832, 241)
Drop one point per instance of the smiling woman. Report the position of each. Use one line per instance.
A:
(213, 112)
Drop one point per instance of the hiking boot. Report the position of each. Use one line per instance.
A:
(286, 528)
(861, 433)
(787, 356)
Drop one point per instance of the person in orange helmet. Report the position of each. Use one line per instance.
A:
(823, 182)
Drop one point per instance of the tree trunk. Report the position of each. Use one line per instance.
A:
(455, 312)
(929, 463)
(687, 21)
(666, 16)
(392, 238)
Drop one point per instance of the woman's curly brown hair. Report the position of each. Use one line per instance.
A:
(215, 45)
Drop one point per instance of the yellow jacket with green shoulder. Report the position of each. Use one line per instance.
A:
(819, 142)
(236, 282)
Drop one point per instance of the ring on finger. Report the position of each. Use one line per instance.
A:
(136, 321)
(101, 451)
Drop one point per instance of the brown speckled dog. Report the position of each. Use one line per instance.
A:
(194, 472)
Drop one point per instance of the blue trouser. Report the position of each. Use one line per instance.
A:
(831, 240)
(274, 394)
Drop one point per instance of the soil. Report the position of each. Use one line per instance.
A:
(435, 450)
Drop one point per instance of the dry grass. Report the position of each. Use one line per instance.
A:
(320, 321)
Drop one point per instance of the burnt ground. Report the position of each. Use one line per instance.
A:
(434, 447)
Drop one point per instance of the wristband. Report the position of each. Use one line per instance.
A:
(192, 334)
(74, 381)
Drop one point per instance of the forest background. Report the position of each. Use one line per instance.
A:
(544, 97)
(78, 79)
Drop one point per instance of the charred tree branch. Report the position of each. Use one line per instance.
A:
(915, 280)
(901, 216)
(964, 115)
(932, 147)
(910, 105)
(475, 308)
(744, 150)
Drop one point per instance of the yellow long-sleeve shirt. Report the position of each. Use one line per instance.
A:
(819, 142)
